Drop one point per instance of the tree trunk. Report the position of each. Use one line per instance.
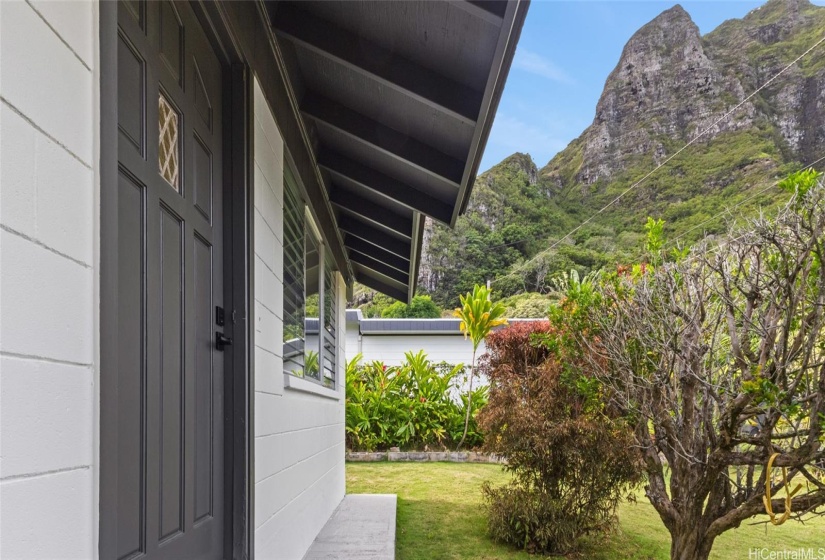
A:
(688, 542)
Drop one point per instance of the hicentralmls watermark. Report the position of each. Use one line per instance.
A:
(786, 553)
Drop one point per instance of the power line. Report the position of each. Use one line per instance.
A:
(662, 164)
(719, 246)
(738, 204)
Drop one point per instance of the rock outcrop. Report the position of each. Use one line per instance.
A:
(671, 84)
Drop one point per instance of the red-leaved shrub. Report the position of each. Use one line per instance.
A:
(571, 460)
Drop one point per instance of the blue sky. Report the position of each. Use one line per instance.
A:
(567, 49)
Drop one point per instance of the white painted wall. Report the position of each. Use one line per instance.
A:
(440, 346)
(390, 349)
(299, 426)
(49, 229)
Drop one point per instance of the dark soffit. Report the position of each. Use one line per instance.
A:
(398, 98)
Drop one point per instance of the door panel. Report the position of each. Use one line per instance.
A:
(204, 384)
(171, 375)
(169, 420)
(131, 441)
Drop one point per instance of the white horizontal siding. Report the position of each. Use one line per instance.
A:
(299, 437)
(46, 413)
(284, 534)
(301, 411)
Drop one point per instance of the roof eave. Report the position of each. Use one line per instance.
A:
(511, 27)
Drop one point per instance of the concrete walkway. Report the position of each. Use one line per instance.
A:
(362, 528)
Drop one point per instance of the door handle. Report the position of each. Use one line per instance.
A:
(222, 341)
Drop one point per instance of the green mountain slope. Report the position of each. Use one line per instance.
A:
(670, 85)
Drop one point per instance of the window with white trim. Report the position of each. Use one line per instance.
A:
(310, 295)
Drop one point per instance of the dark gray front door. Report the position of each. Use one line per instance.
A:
(168, 472)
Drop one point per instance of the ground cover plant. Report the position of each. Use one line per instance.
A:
(441, 517)
(414, 406)
(570, 457)
(716, 358)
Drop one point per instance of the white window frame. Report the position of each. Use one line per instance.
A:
(323, 381)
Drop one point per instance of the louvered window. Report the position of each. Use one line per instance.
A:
(294, 274)
(330, 321)
(313, 253)
(310, 296)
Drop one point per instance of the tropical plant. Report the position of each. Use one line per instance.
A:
(411, 406)
(530, 305)
(311, 364)
(479, 315)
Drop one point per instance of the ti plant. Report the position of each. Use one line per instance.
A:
(479, 315)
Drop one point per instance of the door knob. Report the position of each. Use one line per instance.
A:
(222, 341)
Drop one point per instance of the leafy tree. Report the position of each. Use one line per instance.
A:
(654, 231)
(716, 360)
(479, 315)
(421, 307)
(371, 303)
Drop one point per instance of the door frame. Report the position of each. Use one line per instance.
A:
(237, 239)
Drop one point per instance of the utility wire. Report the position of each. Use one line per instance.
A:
(663, 163)
(719, 246)
(738, 204)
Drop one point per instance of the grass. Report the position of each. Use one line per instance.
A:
(441, 516)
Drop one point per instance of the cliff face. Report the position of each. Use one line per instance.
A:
(758, 46)
(664, 86)
(493, 200)
(508, 201)
(669, 85)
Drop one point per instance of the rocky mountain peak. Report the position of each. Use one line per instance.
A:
(488, 202)
(671, 16)
(663, 87)
(671, 84)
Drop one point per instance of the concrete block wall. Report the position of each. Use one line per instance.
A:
(299, 434)
(49, 200)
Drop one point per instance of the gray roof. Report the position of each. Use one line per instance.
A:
(407, 326)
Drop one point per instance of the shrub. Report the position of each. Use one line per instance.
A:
(411, 406)
(570, 458)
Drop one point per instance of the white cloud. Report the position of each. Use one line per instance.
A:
(534, 63)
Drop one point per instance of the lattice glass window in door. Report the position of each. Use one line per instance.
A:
(168, 151)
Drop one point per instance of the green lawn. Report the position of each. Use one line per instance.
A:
(440, 516)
